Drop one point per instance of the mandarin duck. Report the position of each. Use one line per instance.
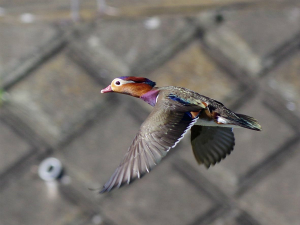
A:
(176, 110)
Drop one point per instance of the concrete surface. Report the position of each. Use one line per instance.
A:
(51, 73)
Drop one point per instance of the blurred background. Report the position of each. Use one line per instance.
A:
(56, 56)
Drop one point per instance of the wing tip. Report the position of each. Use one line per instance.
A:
(99, 190)
(103, 190)
(109, 188)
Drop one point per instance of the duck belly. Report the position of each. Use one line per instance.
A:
(212, 123)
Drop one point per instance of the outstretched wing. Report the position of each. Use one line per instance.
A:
(211, 144)
(161, 131)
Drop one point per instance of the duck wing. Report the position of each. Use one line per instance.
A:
(211, 144)
(161, 131)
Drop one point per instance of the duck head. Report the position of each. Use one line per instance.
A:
(134, 86)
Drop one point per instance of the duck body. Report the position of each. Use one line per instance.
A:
(176, 110)
(211, 112)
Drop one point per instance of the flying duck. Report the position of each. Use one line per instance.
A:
(175, 111)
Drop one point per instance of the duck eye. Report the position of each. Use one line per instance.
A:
(117, 83)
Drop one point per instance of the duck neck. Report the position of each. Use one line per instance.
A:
(151, 96)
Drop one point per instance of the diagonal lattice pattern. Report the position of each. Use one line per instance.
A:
(52, 75)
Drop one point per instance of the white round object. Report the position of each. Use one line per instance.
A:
(152, 23)
(50, 169)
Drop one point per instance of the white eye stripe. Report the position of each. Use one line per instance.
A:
(128, 81)
(119, 82)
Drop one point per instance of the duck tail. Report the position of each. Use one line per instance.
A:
(249, 122)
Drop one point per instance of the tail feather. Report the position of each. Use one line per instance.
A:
(248, 122)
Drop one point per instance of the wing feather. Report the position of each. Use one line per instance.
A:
(160, 132)
(211, 144)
